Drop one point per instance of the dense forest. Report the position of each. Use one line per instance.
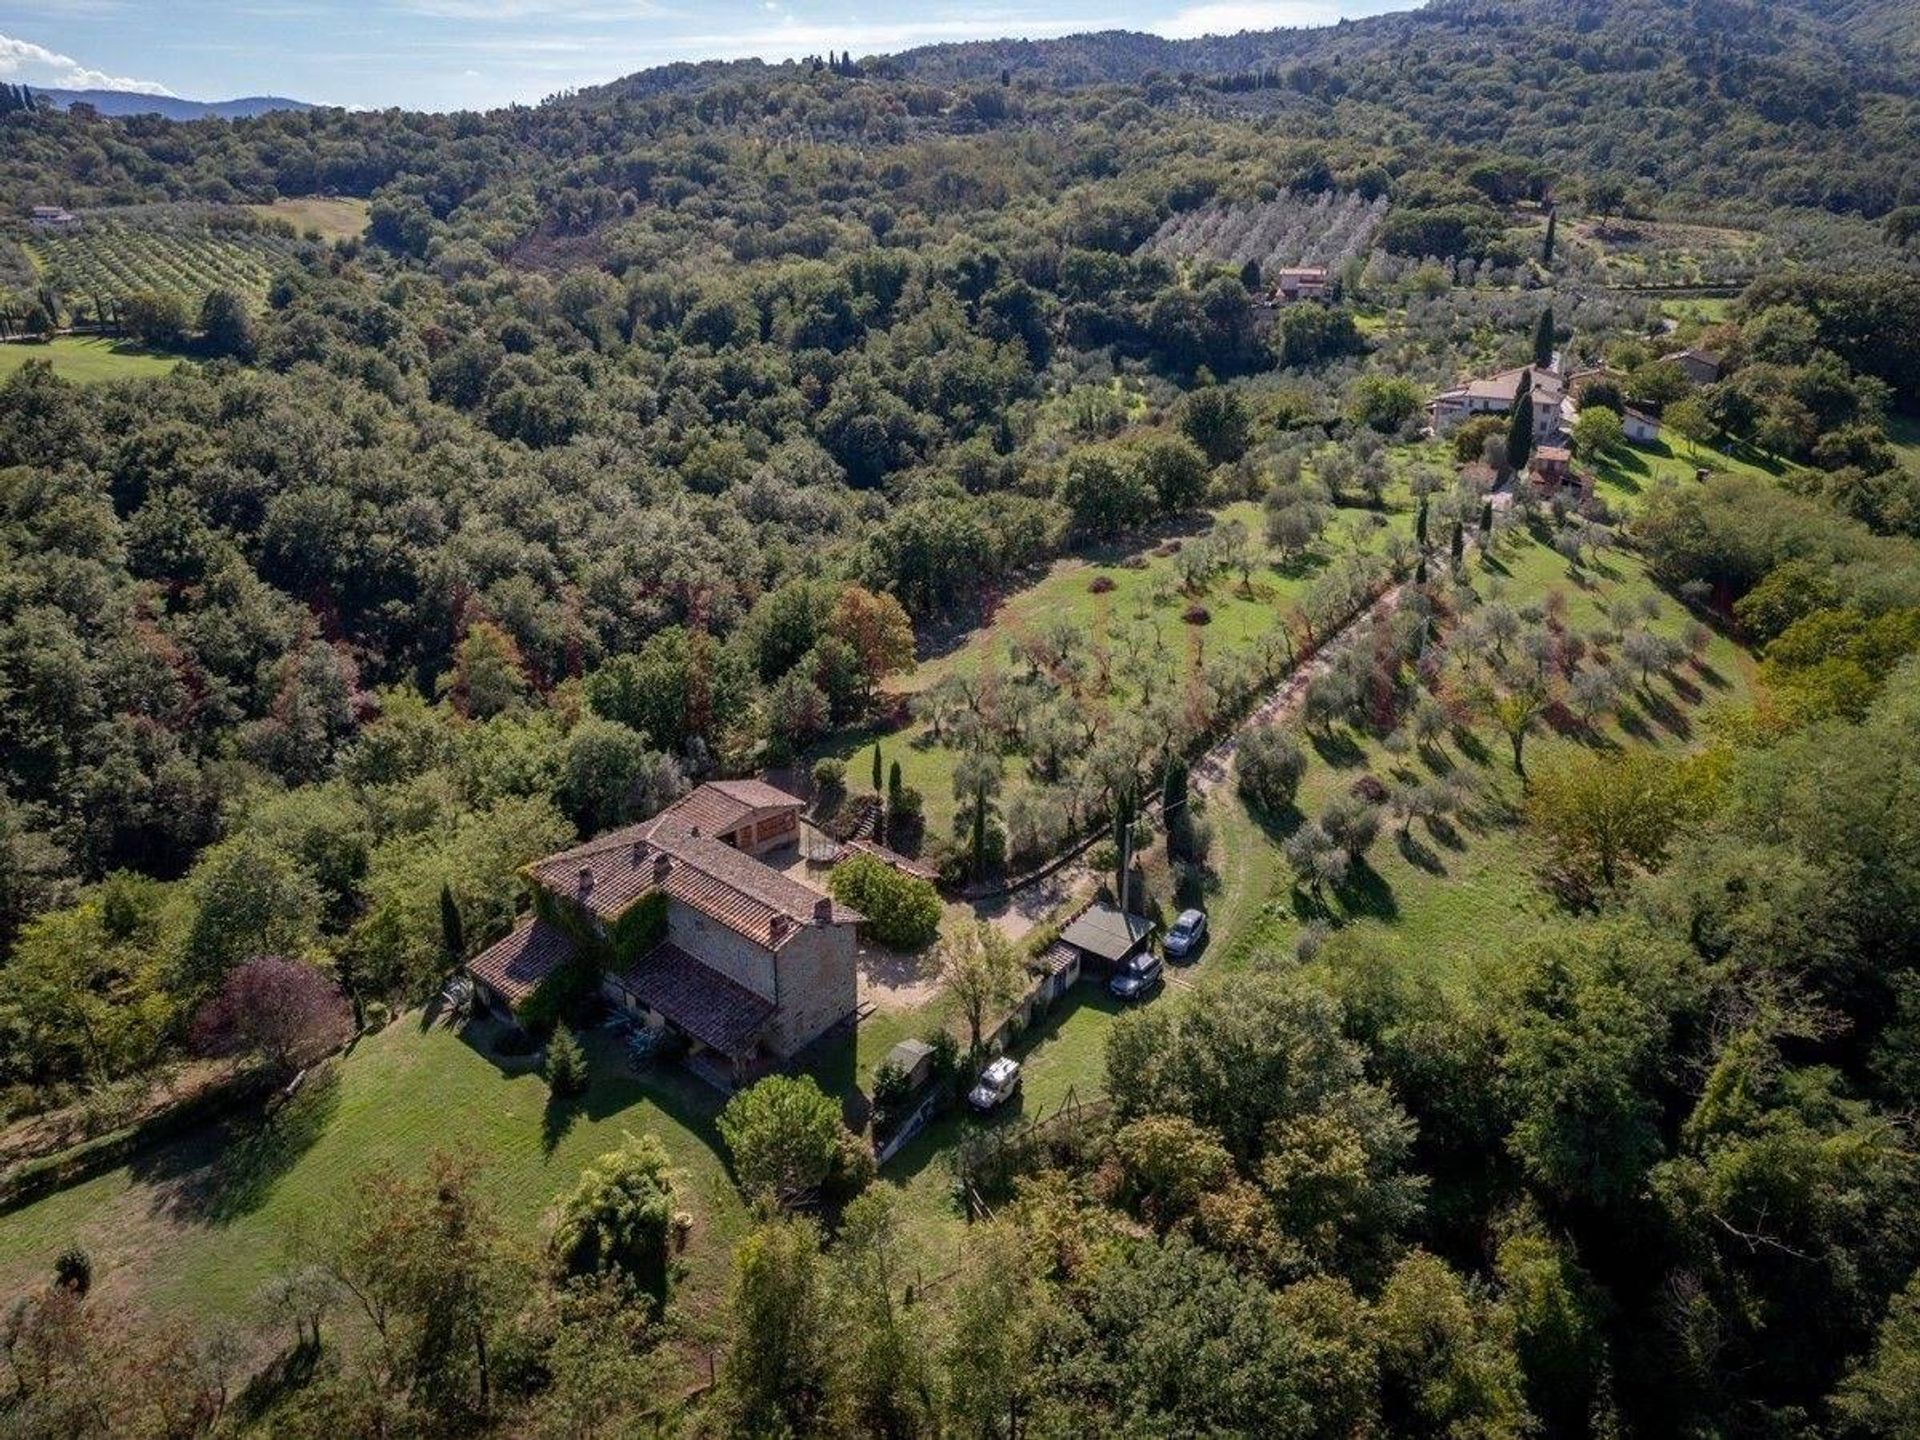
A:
(647, 433)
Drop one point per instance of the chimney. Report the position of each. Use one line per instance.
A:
(823, 910)
(694, 831)
(779, 928)
(586, 881)
(639, 853)
(662, 864)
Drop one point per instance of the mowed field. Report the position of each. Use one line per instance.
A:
(331, 217)
(87, 359)
(1143, 587)
(195, 1227)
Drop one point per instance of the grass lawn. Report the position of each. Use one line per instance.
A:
(1451, 895)
(195, 1226)
(1143, 585)
(335, 218)
(1623, 477)
(88, 359)
(1705, 310)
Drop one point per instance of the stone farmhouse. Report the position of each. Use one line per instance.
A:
(1553, 407)
(1303, 282)
(681, 922)
(1699, 366)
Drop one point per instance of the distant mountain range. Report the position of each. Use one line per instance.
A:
(132, 102)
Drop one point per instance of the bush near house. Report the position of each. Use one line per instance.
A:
(903, 911)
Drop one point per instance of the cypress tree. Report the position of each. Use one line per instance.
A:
(1420, 570)
(453, 933)
(1543, 338)
(1486, 522)
(1459, 548)
(893, 784)
(1546, 245)
(1520, 424)
(877, 772)
(1420, 524)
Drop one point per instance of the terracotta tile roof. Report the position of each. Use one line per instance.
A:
(755, 794)
(514, 967)
(707, 1005)
(1054, 959)
(676, 852)
(902, 863)
(1504, 388)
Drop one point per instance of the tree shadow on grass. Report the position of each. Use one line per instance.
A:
(1493, 565)
(1366, 894)
(1684, 690)
(1632, 722)
(558, 1118)
(1337, 748)
(1710, 676)
(1471, 747)
(285, 1375)
(256, 1151)
(1668, 716)
(1419, 854)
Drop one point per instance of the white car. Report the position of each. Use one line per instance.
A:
(1188, 934)
(999, 1083)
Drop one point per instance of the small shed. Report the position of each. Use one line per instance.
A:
(1106, 937)
(1552, 466)
(913, 1059)
(1055, 970)
(1639, 427)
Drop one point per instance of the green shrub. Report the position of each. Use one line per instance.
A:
(829, 776)
(566, 1067)
(73, 1269)
(377, 1016)
(903, 911)
(892, 1096)
(1270, 765)
(620, 1217)
(785, 1139)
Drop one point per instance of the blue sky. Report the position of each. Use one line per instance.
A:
(447, 54)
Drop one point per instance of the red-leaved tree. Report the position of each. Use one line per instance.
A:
(274, 1009)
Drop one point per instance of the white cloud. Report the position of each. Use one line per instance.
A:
(793, 37)
(509, 11)
(23, 62)
(1230, 17)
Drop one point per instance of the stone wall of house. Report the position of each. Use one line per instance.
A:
(726, 950)
(819, 985)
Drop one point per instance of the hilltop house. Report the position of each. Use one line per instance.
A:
(679, 921)
(1302, 282)
(1697, 365)
(53, 217)
(1553, 408)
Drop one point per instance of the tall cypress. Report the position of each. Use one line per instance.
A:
(1543, 338)
(452, 931)
(877, 772)
(1546, 245)
(1420, 524)
(1520, 424)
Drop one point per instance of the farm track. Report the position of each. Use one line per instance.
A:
(1017, 912)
